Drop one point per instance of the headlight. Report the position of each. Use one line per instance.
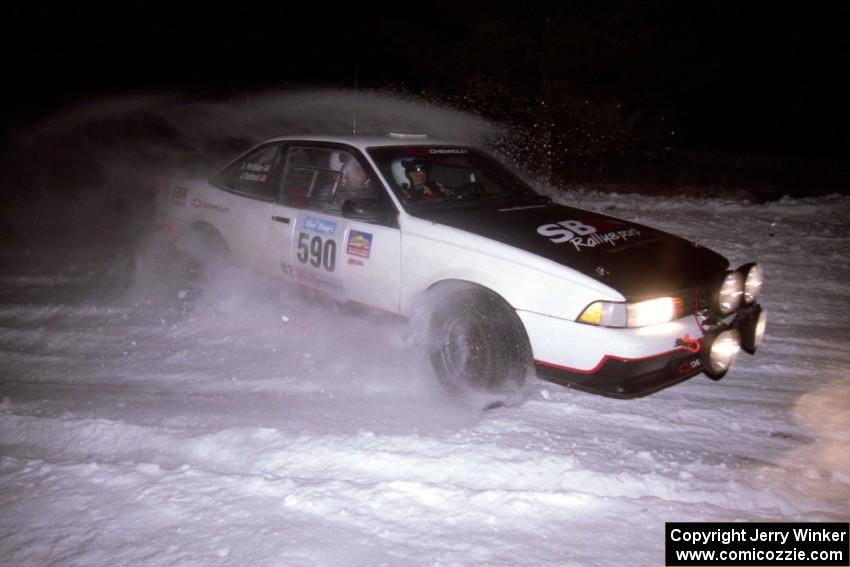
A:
(641, 314)
(729, 295)
(753, 280)
(605, 314)
(722, 352)
(650, 312)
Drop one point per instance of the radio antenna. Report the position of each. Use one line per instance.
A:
(354, 118)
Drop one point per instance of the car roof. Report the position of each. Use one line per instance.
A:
(370, 140)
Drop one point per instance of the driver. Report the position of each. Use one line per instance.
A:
(420, 188)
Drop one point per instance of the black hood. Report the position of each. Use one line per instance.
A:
(637, 261)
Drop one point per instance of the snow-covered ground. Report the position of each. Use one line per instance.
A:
(250, 427)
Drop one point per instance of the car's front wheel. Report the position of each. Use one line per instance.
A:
(477, 342)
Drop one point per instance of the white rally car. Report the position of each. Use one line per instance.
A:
(512, 281)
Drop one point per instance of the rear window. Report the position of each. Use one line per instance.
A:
(254, 174)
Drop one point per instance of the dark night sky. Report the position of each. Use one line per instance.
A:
(735, 79)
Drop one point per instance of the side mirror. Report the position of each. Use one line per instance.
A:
(368, 210)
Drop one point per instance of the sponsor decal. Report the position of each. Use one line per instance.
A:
(612, 238)
(257, 172)
(565, 231)
(582, 235)
(320, 226)
(436, 151)
(256, 177)
(198, 204)
(178, 195)
(356, 262)
(257, 167)
(359, 243)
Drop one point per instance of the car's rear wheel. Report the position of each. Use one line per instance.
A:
(477, 342)
(183, 266)
(206, 252)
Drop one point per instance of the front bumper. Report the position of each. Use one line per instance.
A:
(627, 363)
(623, 378)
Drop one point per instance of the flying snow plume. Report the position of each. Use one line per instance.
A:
(95, 167)
(91, 174)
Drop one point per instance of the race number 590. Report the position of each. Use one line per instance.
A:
(317, 252)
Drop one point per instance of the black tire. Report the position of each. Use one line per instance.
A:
(206, 254)
(153, 263)
(477, 342)
(184, 267)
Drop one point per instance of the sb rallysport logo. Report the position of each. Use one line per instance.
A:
(583, 235)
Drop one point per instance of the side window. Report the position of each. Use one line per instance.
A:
(253, 174)
(324, 179)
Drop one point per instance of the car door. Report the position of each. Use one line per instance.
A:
(354, 256)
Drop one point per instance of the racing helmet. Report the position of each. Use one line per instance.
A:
(401, 166)
(337, 161)
(399, 172)
(414, 165)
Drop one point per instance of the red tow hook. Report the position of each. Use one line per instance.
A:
(689, 344)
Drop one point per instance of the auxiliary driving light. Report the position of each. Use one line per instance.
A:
(730, 293)
(753, 280)
(721, 353)
(752, 330)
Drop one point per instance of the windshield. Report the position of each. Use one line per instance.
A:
(448, 177)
